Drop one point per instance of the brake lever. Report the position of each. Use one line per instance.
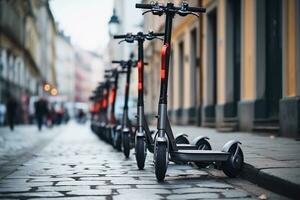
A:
(129, 40)
(192, 13)
(147, 11)
(121, 41)
(185, 13)
(157, 11)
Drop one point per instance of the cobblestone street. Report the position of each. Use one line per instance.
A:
(77, 165)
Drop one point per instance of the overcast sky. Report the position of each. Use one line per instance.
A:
(86, 21)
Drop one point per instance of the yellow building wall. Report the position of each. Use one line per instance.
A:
(221, 66)
(182, 33)
(203, 41)
(248, 50)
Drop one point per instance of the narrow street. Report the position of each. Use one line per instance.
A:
(75, 164)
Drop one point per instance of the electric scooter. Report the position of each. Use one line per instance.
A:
(143, 136)
(126, 133)
(231, 158)
(103, 119)
(99, 96)
(113, 125)
(96, 100)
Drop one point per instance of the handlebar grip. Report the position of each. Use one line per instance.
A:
(143, 6)
(158, 34)
(119, 36)
(116, 61)
(196, 9)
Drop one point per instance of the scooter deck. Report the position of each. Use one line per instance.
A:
(180, 146)
(186, 147)
(199, 155)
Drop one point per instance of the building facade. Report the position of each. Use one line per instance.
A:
(27, 49)
(235, 68)
(65, 66)
(88, 72)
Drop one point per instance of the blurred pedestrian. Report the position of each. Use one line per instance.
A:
(41, 111)
(11, 108)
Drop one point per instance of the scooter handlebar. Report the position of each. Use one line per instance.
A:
(185, 7)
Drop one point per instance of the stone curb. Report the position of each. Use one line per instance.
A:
(270, 182)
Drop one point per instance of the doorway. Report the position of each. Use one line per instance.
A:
(211, 65)
(273, 57)
(194, 69)
(235, 9)
(181, 73)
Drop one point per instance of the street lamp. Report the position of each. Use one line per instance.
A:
(47, 87)
(54, 91)
(113, 24)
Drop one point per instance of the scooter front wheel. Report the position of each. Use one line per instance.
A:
(126, 144)
(161, 160)
(140, 152)
(202, 144)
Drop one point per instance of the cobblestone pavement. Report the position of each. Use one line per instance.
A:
(77, 165)
(16, 146)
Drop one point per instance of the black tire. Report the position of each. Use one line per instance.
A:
(126, 144)
(182, 139)
(118, 141)
(203, 144)
(110, 138)
(140, 152)
(113, 136)
(233, 166)
(161, 161)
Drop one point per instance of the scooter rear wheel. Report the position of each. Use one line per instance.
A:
(126, 144)
(161, 161)
(202, 144)
(140, 152)
(234, 164)
(181, 139)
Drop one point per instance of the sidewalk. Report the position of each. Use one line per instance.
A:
(271, 162)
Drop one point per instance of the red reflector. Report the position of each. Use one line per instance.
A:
(112, 96)
(163, 73)
(139, 65)
(163, 61)
(105, 103)
(140, 86)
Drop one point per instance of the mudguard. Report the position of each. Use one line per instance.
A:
(139, 134)
(126, 130)
(229, 144)
(118, 128)
(161, 139)
(181, 135)
(197, 139)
